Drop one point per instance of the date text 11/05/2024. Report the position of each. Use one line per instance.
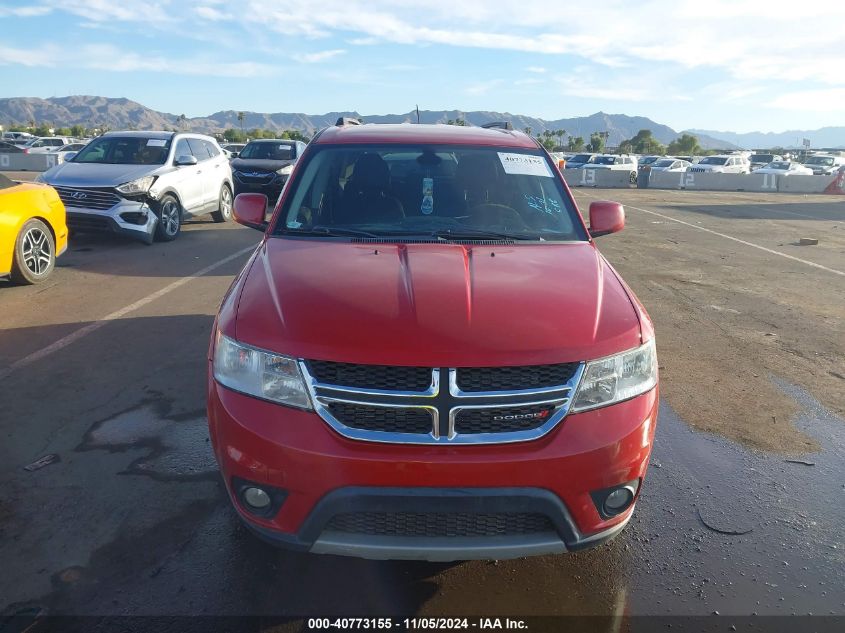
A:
(413, 624)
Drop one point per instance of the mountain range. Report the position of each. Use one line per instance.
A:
(121, 113)
(826, 137)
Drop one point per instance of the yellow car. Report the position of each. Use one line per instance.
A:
(32, 231)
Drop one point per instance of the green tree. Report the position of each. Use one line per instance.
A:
(546, 139)
(527, 130)
(234, 135)
(42, 130)
(685, 144)
(560, 134)
(77, 130)
(241, 121)
(182, 121)
(596, 142)
(576, 143)
(643, 142)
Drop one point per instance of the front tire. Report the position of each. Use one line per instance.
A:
(224, 205)
(35, 253)
(169, 219)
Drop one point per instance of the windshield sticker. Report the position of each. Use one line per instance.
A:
(546, 205)
(524, 165)
(427, 206)
(156, 142)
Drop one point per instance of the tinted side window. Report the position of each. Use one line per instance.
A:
(197, 149)
(183, 149)
(211, 148)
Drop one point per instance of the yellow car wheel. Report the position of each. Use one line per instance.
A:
(35, 253)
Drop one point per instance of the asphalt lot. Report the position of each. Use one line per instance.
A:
(104, 366)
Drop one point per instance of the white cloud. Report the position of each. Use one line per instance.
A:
(536, 69)
(109, 58)
(210, 13)
(25, 11)
(483, 87)
(321, 56)
(825, 100)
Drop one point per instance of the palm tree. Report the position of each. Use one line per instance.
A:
(560, 134)
(241, 121)
(527, 130)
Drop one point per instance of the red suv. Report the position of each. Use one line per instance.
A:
(428, 358)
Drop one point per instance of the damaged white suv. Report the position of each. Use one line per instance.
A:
(143, 184)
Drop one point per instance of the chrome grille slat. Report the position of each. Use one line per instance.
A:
(398, 415)
(87, 198)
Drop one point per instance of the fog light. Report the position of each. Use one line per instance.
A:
(256, 498)
(618, 500)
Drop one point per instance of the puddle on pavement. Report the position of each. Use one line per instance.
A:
(783, 552)
(178, 445)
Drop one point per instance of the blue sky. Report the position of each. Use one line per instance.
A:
(739, 65)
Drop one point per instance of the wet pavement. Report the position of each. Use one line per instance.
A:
(132, 519)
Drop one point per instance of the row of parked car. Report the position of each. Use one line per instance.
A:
(141, 185)
(739, 163)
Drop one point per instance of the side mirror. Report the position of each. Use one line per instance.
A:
(70, 155)
(233, 154)
(606, 217)
(250, 210)
(185, 160)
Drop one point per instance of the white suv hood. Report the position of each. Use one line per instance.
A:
(96, 174)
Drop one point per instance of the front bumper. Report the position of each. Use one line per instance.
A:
(130, 218)
(324, 475)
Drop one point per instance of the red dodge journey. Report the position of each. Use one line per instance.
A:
(427, 357)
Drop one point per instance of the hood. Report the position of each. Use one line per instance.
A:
(434, 304)
(70, 174)
(259, 164)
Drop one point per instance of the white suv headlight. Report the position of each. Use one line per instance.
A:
(616, 378)
(134, 187)
(261, 374)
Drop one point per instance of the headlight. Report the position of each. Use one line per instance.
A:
(134, 187)
(261, 374)
(285, 171)
(616, 378)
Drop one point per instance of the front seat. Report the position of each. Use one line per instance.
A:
(366, 198)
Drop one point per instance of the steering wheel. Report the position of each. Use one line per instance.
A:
(489, 214)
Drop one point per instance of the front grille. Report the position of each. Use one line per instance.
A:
(86, 222)
(382, 419)
(378, 377)
(475, 379)
(441, 524)
(88, 198)
(502, 419)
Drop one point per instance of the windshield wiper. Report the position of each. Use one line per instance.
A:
(330, 231)
(475, 234)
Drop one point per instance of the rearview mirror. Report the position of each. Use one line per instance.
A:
(250, 210)
(606, 217)
(185, 160)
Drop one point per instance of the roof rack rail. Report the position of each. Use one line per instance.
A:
(501, 125)
(347, 120)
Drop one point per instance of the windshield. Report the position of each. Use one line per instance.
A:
(581, 158)
(664, 162)
(125, 150)
(777, 165)
(713, 160)
(824, 161)
(267, 150)
(648, 160)
(762, 158)
(605, 160)
(429, 192)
